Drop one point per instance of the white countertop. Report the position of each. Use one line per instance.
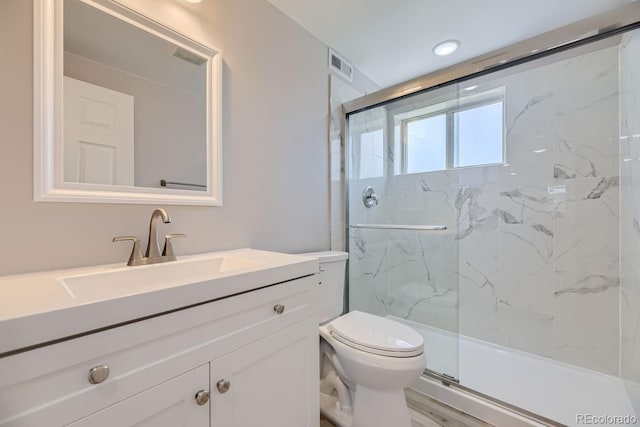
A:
(41, 307)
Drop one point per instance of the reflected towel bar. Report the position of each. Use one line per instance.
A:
(164, 183)
(400, 227)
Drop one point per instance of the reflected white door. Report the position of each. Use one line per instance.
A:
(98, 134)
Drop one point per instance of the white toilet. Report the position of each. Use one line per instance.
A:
(366, 360)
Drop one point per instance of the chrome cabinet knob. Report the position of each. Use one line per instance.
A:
(223, 386)
(98, 374)
(278, 308)
(202, 397)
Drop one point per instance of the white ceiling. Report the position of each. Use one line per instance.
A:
(391, 41)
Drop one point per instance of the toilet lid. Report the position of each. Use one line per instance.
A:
(378, 335)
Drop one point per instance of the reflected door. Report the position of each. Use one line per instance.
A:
(98, 134)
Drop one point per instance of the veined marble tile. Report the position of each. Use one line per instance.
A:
(526, 268)
(368, 263)
(477, 208)
(526, 248)
(478, 176)
(426, 198)
(485, 311)
(586, 331)
(422, 277)
(586, 234)
(478, 273)
(580, 81)
(493, 320)
(530, 107)
(587, 151)
(586, 273)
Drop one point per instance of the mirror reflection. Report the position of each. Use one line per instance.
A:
(135, 105)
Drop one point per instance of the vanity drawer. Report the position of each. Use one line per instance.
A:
(50, 385)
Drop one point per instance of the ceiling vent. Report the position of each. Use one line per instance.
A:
(340, 66)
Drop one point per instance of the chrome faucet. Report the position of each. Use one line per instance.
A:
(153, 254)
(153, 247)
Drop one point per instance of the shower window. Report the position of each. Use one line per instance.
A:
(478, 137)
(425, 143)
(467, 131)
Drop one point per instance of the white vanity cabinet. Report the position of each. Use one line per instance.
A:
(263, 343)
(272, 382)
(170, 404)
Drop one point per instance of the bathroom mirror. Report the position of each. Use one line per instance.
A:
(126, 110)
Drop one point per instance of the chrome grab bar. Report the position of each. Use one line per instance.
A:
(400, 227)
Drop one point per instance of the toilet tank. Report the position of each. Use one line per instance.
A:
(331, 279)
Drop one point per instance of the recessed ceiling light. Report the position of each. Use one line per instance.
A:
(446, 47)
(193, 1)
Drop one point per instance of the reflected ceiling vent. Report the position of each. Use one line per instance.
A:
(340, 66)
(187, 55)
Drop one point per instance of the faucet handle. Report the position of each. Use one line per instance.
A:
(136, 256)
(168, 247)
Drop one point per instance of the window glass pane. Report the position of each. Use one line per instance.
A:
(426, 144)
(371, 159)
(478, 136)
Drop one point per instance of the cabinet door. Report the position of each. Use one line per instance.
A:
(272, 382)
(169, 404)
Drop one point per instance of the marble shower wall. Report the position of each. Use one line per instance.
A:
(341, 91)
(630, 213)
(531, 256)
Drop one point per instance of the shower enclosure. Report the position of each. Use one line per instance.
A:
(498, 214)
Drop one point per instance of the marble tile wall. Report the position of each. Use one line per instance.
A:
(531, 256)
(341, 91)
(630, 214)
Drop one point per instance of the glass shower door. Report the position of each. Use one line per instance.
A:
(401, 219)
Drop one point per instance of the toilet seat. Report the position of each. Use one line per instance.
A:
(376, 335)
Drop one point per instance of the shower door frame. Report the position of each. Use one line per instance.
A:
(617, 21)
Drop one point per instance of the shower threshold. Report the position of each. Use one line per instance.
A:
(449, 381)
(535, 387)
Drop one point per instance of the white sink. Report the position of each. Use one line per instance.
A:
(134, 280)
(42, 307)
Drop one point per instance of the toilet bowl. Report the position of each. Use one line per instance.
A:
(366, 360)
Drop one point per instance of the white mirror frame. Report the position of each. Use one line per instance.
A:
(48, 114)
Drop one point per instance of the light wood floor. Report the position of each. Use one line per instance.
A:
(428, 412)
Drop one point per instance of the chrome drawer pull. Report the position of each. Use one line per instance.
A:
(202, 397)
(278, 308)
(98, 374)
(223, 386)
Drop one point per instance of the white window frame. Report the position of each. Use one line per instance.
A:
(449, 108)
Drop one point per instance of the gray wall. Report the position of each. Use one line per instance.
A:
(275, 131)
